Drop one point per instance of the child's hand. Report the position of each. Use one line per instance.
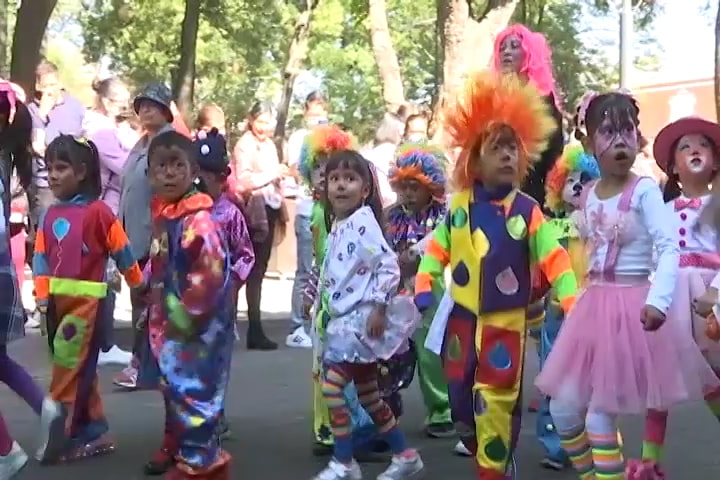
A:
(652, 318)
(704, 304)
(376, 322)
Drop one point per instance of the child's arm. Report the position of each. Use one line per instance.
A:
(203, 247)
(552, 259)
(41, 270)
(432, 264)
(241, 248)
(118, 245)
(654, 217)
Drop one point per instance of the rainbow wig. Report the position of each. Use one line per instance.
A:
(422, 162)
(489, 104)
(537, 58)
(573, 159)
(320, 142)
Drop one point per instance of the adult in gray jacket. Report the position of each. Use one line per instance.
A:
(152, 106)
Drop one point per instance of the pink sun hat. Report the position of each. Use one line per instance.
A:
(671, 133)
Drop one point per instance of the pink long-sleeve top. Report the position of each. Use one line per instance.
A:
(255, 167)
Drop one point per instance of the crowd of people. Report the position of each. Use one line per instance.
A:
(413, 260)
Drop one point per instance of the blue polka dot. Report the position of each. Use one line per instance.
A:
(460, 274)
(500, 357)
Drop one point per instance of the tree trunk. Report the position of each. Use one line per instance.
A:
(30, 24)
(184, 81)
(467, 44)
(4, 45)
(385, 56)
(296, 57)
(717, 64)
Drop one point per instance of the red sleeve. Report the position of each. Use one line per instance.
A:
(180, 127)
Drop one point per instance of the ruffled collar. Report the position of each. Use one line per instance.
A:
(192, 202)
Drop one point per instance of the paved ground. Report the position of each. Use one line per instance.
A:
(269, 409)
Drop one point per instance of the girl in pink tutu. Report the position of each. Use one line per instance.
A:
(686, 151)
(613, 355)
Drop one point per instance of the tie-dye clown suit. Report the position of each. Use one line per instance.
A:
(490, 242)
(72, 246)
(191, 329)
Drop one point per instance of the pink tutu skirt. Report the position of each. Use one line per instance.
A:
(604, 361)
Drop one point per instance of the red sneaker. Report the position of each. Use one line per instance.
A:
(164, 459)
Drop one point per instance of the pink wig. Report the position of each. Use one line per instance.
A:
(537, 61)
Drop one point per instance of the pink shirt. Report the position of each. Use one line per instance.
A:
(255, 167)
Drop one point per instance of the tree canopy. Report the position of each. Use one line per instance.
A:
(242, 48)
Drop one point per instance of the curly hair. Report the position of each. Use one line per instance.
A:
(573, 159)
(322, 141)
(422, 162)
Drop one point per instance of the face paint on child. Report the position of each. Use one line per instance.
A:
(413, 195)
(172, 173)
(616, 145)
(573, 189)
(694, 155)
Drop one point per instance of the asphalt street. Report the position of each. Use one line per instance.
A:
(269, 410)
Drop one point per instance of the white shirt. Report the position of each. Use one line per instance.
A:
(691, 237)
(382, 157)
(645, 225)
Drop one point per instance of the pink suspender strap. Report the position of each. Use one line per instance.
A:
(613, 248)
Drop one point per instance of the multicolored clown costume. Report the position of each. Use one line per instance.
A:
(491, 239)
(409, 230)
(191, 331)
(317, 146)
(73, 243)
(564, 188)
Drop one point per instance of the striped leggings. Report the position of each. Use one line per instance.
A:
(591, 442)
(336, 377)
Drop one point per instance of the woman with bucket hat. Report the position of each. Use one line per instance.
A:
(153, 107)
(686, 150)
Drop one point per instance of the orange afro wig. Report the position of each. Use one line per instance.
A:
(489, 104)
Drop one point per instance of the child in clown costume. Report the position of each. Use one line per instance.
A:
(687, 152)
(317, 146)
(564, 189)
(418, 177)
(491, 237)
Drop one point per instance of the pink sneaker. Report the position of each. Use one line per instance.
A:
(643, 470)
(127, 379)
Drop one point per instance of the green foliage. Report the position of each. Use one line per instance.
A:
(242, 49)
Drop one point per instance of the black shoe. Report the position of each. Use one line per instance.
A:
(261, 343)
(440, 430)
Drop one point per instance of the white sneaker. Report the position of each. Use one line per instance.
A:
(115, 356)
(403, 468)
(13, 462)
(461, 449)
(337, 471)
(52, 430)
(299, 339)
(34, 320)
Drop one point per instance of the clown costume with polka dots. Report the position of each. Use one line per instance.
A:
(491, 238)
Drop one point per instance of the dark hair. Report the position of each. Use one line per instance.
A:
(171, 139)
(261, 107)
(104, 87)
(619, 107)
(78, 152)
(45, 67)
(671, 190)
(352, 160)
(315, 96)
(16, 139)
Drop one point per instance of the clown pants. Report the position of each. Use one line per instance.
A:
(483, 360)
